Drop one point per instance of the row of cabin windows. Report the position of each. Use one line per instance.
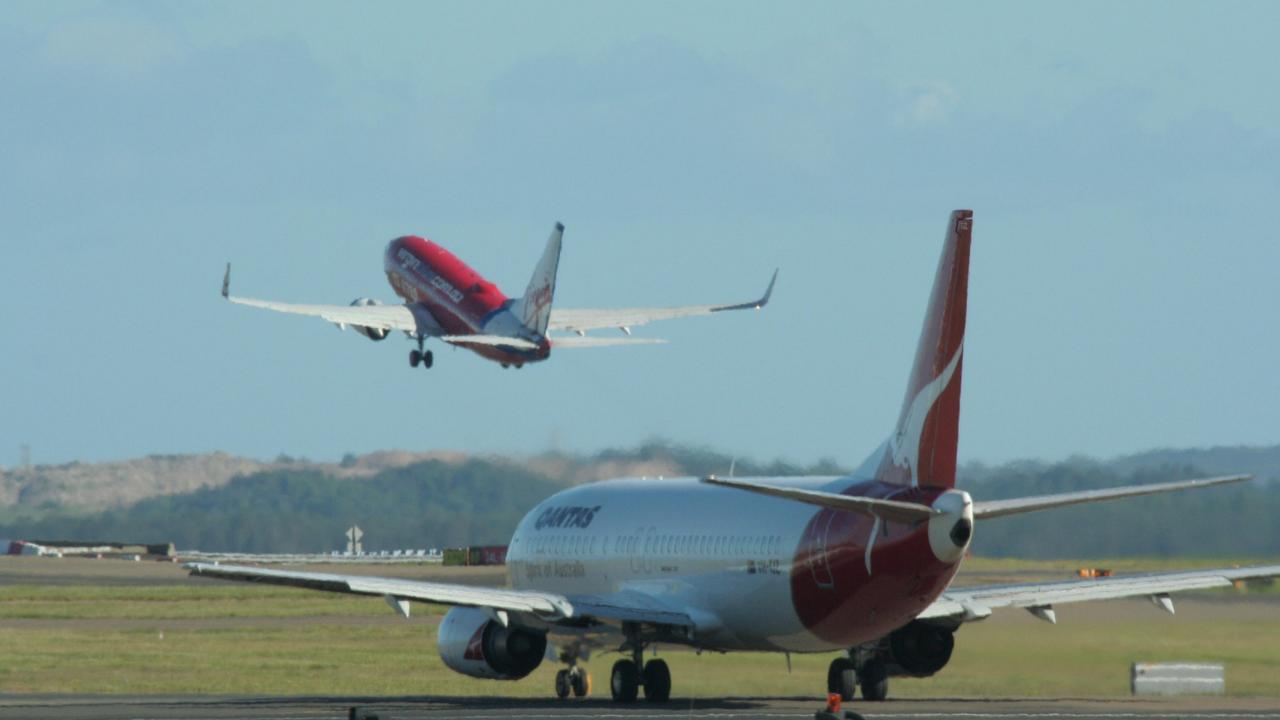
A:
(691, 545)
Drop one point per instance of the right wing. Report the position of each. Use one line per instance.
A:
(625, 606)
(975, 603)
(382, 317)
(580, 321)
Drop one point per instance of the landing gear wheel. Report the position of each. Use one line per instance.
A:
(428, 359)
(875, 682)
(842, 678)
(415, 357)
(624, 681)
(562, 684)
(657, 681)
(580, 681)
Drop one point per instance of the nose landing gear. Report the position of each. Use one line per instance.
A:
(574, 680)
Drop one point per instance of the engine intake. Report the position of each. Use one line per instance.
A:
(374, 334)
(473, 643)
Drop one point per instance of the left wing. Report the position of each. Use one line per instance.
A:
(961, 605)
(626, 606)
(580, 321)
(380, 317)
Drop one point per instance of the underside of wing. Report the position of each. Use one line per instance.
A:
(624, 318)
(370, 315)
(976, 603)
(382, 317)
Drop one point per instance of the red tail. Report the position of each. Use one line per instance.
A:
(922, 450)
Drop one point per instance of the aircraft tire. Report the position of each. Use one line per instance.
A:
(562, 684)
(657, 681)
(580, 681)
(875, 682)
(842, 678)
(415, 357)
(428, 359)
(624, 682)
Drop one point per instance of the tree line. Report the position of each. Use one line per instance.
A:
(480, 501)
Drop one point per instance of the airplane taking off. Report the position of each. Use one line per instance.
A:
(861, 564)
(445, 299)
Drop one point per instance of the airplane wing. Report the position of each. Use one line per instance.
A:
(625, 606)
(383, 317)
(580, 321)
(961, 605)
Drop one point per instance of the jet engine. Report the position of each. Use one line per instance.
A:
(473, 643)
(374, 334)
(918, 649)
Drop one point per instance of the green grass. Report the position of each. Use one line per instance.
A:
(177, 602)
(272, 640)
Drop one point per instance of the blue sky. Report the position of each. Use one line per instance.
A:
(1122, 160)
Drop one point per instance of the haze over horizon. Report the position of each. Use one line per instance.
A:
(1121, 161)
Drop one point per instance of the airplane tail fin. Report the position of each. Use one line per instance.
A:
(922, 450)
(534, 309)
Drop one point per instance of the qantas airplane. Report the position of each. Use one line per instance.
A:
(445, 299)
(861, 564)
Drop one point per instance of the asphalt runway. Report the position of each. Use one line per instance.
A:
(73, 707)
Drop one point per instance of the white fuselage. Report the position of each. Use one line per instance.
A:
(721, 556)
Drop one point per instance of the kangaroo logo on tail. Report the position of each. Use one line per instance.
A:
(534, 309)
(922, 450)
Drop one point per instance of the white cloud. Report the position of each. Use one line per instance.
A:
(930, 105)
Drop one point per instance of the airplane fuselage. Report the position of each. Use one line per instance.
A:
(753, 572)
(457, 298)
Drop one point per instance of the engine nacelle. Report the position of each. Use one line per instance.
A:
(473, 643)
(918, 649)
(374, 334)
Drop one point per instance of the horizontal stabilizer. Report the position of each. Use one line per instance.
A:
(894, 510)
(999, 508)
(494, 340)
(574, 341)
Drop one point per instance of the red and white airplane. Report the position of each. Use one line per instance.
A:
(861, 564)
(445, 299)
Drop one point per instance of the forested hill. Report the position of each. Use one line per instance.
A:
(461, 501)
(429, 504)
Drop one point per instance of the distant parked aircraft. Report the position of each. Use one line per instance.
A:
(445, 299)
(862, 563)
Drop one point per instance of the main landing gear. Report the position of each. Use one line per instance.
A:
(843, 677)
(421, 356)
(627, 678)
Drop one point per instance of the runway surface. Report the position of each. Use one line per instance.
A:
(72, 707)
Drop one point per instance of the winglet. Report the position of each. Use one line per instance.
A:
(768, 291)
(226, 282)
(754, 304)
